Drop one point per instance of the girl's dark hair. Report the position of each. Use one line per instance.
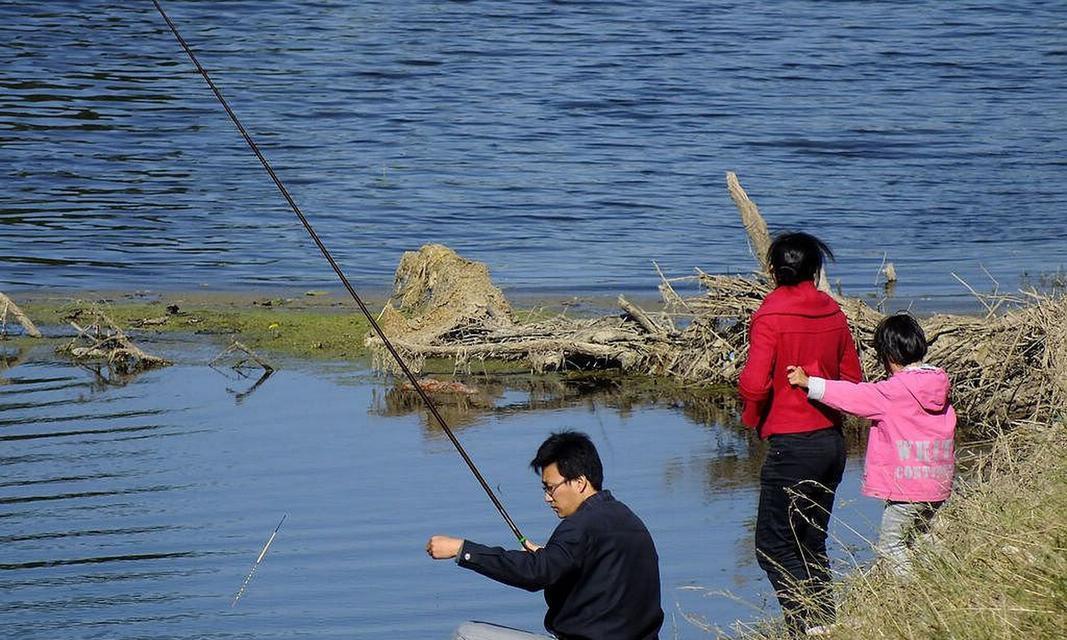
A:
(573, 452)
(796, 257)
(899, 340)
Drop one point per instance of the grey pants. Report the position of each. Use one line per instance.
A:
(902, 524)
(489, 631)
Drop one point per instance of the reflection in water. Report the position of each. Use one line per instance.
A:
(732, 462)
(105, 376)
(516, 393)
(239, 396)
(9, 358)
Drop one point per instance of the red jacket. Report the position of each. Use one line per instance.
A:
(795, 325)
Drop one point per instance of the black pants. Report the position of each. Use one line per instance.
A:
(797, 486)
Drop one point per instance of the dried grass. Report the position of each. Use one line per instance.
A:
(1006, 366)
(445, 306)
(993, 566)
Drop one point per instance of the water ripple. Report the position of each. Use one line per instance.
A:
(135, 557)
(397, 124)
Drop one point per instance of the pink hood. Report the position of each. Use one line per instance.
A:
(928, 385)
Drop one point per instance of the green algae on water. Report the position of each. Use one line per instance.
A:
(316, 331)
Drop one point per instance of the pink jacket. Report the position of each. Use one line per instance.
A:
(910, 446)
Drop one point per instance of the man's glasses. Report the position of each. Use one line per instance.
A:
(550, 489)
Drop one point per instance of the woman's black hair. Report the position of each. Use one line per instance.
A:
(574, 454)
(796, 257)
(899, 340)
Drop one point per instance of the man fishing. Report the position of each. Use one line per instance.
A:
(599, 570)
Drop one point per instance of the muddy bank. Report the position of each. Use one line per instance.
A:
(310, 323)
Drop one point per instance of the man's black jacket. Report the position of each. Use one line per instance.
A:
(599, 570)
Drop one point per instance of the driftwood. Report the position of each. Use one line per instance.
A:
(1006, 366)
(759, 238)
(239, 368)
(104, 341)
(7, 305)
(553, 344)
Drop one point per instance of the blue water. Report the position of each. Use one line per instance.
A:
(136, 511)
(566, 144)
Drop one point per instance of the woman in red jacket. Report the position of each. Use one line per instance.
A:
(797, 325)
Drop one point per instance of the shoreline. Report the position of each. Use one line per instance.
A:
(961, 302)
(287, 321)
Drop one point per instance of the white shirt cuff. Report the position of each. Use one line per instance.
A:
(816, 388)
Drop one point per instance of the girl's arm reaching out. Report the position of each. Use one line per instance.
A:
(863, 399)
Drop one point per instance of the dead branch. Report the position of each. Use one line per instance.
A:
(27, 324)
(642, 318)
(756, 228)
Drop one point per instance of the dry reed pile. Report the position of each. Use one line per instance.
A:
(1009, 365)
(1005, 367)
(445, 306)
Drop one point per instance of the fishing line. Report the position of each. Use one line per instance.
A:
(362, 307)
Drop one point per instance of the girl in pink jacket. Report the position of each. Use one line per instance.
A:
(910, 447)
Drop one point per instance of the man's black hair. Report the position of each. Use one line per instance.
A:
(899, 340)
(574, 454)
(796, 257)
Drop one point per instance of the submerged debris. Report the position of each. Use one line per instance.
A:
(240, 366)
(102, 341)
(238, 347)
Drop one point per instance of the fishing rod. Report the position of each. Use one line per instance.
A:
(344, 280)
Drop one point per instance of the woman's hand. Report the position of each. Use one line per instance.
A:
(797, 376)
